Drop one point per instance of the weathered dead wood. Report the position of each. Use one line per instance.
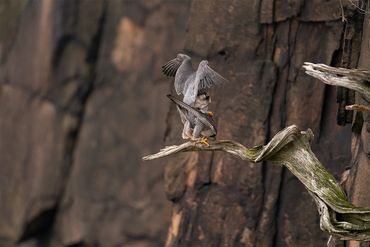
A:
(359, 81)
(356, 107)
(291, 148)
(355, 79)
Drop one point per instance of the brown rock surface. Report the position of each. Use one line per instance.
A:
(82, 99)
(358, 180)
(230, 204)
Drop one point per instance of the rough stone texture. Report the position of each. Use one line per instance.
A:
(218, 201)
(112, 198)
(358, 182)
(82, 99)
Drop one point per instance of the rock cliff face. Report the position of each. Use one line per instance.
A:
(82, 99)
(260, 46)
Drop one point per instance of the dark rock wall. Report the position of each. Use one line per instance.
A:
(358, 182)
(82, 99)
(260, 46)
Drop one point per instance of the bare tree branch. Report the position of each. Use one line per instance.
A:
(356, 107)
(355, 79)
(290, 147)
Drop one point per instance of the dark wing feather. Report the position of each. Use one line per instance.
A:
(170, 68)
(208, 77)
(205, 119)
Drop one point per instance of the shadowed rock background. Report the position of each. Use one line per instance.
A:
(82, 99)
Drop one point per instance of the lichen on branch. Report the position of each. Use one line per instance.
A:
(291, 148)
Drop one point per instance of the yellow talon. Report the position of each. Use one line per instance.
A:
(210, 113)
(204, 141)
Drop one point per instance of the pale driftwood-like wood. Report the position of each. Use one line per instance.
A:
(356, 107)
(291, 148)
(355, 79)
(359, 81)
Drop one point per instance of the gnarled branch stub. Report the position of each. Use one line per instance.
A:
(291, 148)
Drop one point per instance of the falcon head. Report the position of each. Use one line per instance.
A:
(182, 56)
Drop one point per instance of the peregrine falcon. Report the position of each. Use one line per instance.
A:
(198, 126)
(189, 82)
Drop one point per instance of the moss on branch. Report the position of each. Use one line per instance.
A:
(291, 148)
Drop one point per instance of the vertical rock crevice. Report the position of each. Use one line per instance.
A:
(284, 36)
(40, 227)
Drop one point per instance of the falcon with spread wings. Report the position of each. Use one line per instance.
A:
(189, 82)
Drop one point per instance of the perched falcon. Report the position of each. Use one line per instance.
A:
(189, 82)
(198, 126)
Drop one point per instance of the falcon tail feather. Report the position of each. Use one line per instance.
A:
(193, 111)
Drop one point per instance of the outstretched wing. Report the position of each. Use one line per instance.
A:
(190, 90)
(208, 77)
(170, 68)
(201, 116)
